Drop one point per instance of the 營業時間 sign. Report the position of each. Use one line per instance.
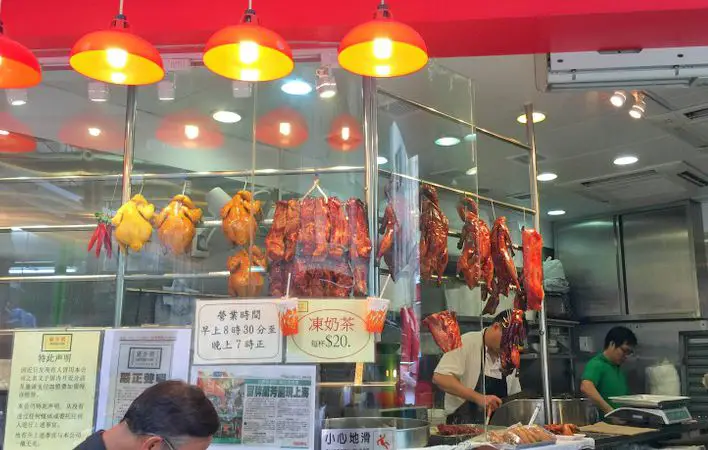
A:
(53, 387)
(237, 331)
(331, 331)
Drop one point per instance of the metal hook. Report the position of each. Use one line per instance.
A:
(142, 186)
(494, 212)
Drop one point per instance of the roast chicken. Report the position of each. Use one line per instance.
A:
(240, 218)
(132, 223)
(244, 280)
(176, 224)
(434, 227)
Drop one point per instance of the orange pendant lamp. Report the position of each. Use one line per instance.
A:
(248, 51)
(117, 56)
(19, 67)
(345, 134)
(382, 47)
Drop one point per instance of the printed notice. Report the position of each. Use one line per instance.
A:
(237, 331)
(331, 332)
(261, 406)
(52, 389)
(135, 359)
(359, 439)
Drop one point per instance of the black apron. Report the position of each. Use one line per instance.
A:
(470, 413)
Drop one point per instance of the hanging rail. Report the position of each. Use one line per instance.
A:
(461, 192)
(211, 223)
(476, 129)
(190, 175)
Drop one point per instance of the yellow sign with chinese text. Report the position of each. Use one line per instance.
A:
(52, 389)
(331, 330)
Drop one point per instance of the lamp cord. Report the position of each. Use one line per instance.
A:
(250, 4)
(120, 7)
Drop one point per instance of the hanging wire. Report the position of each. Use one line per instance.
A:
(120, 8)
(494, 212)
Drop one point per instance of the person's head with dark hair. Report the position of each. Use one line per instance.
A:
(493, 333)
(619, 344)
(171, 415)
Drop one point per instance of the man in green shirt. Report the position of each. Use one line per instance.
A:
(602, 377)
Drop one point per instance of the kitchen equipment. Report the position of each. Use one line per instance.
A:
(578, 411)
(606, 428)
(649, 410)
(410, 433)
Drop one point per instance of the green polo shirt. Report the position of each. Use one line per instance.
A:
(608, 378)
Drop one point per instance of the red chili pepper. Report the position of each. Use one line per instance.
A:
(100, 230)
(107, 240)
(94, 238)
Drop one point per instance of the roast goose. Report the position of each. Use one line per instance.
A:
(434, 228)
(244, 280)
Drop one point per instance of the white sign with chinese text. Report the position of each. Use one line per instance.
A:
(52, 389)
(237, 331)
(261, 407)
(359, 439)
(331, 330)
(135, 359)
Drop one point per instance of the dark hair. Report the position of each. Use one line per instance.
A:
(172, 409)
(620, 336)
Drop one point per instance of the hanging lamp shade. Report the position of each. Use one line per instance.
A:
(248, 52)
(94, 130)
(15, 136)
(345, 134)
(189, 129)
(117, 56)
(19, 67)
(382, 47)
(282, 127)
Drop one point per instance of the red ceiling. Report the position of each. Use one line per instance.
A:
(450, 28)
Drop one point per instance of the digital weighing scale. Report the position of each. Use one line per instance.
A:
(649, 410)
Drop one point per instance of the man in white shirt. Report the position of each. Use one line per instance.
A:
(459, 374)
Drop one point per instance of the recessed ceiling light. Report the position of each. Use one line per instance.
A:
(472, 171)
(625, 160)
(95, 132)
(537, 117)
(381, 160)
(546, 176)
(4, 132)
(296, 87)
(471, 137)
(447, 141)
(224, 116)
(556, 212)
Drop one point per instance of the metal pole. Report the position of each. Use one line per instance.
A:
(371, 181)
(129, 144)
(542, 327)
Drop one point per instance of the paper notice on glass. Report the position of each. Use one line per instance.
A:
(261, 407)
(52, 389)
(135, 359)
(239, 331)
(331, 331)
(359, 439)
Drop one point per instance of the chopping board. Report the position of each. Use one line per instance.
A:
(619, 430)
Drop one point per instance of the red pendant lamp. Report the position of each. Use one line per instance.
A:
(94, 130)
(248, 51)
(117, 56)
(282, 127)
(15, 136)
(19, 67)
(382, 47)
(345, 134)
(189, 129)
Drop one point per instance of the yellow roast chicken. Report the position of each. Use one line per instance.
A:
(245, 280)
(132, 222)
(240, 218)
(176, 224)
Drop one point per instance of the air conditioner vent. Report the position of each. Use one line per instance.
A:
(525, 158)
(620, 179)
(693, 178)
(696, 114)
(521, 196)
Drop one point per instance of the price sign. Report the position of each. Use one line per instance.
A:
(237, 331)
(331, 331)
(359, 439)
